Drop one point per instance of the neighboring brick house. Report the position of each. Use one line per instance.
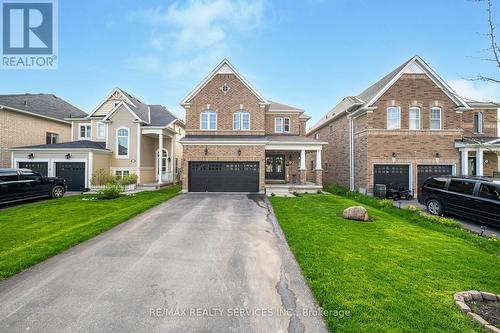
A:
(238, 141)
(406, 127)
(30, 119)
(122, 135)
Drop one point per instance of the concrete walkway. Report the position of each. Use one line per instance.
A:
(211, 263)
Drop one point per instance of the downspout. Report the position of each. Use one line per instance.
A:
(351, 152)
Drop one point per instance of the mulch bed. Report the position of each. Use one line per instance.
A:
(490, 311)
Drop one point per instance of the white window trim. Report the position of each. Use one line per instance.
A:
(289, 125)
(399, 118)
(276, 123)
(53, 133)
(80, 137)
(241, 113)
(440, 119)
(419, 118)
(122, 157)
(208, 112)
(97, 130)
(114, 170)
(480, 124)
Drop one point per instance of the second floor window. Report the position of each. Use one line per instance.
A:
(208, 120)
(478, 122)
(101, 130)
(281, 125)
(393, 118)
(122, 142)
(51, 138)
(414, 118)
(435, 121)
(241, 121)
(85, 131)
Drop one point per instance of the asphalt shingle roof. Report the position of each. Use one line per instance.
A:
(47, 105)
(160, 116)
(80, 144)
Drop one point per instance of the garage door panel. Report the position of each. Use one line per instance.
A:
(393, 176)
(223, 177)
(40, 167)
(73, 173)
(426, 171)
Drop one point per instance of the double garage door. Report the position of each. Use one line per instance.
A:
(72, 172)
(398, 176)
(223, 177)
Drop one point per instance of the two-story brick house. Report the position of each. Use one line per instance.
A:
(121, 136)
(238, 141)
(406, 127)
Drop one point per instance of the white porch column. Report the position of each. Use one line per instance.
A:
(318, 160)
(302, 159)
(479, 162)
(160, 156)
(465, 162)
(172, 157)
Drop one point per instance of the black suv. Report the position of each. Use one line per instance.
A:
(21, 184)
(475, 198)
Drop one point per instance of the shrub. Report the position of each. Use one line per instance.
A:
(110, 191)
(412, 208)
(385, 203)
(101, 177)
(128, 179)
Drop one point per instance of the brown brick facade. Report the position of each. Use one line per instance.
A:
(18, 129)
(294, 123)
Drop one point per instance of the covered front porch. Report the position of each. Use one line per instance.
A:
(293, 164)
(158, 165)
(479, 157)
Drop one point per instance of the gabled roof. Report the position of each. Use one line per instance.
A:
(275, 106)
(415, 65)
(80, 144)
(140, 109)
(42, 105)
(160, 116)
(224, 67)
(369, 96)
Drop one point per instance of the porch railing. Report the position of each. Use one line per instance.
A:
(167, 177)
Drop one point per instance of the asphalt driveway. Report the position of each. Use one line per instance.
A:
(211, 263)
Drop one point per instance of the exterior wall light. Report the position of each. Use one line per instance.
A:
(206, 151)
(31, 156)
(67, 156)
(437, 157)
(393, 157)
(239, 152)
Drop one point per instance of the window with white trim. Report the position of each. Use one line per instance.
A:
(85, 132)
(122, 173)
(393, 118)
(435, 119)
(282, 125)
(241, 121)
(101, 131)
(208, 120)
(478, 122)
(122, 142)
(414, 118)
(51, 138)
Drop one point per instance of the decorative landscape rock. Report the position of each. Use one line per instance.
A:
(467, 301)
(356, 213)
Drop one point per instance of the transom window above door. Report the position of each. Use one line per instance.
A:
(208, 120)
(241, 121)
(282, 125)
(85, 132)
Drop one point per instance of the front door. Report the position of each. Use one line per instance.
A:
(472, 166)
(275, 167)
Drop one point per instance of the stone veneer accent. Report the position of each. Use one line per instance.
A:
(463, 297)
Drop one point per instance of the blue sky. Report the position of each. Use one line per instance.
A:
(303, 53)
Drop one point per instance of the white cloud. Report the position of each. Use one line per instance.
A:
(191, 35)
(480, 91)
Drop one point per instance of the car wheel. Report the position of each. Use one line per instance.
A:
(395, 197)
(57, 192)
(434, 207)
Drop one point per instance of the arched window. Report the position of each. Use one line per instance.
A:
(122, 142)
(478, 122)
(208, 120)
(241, 121)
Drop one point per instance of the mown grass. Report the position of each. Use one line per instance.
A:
(395, 274)
(34, 232)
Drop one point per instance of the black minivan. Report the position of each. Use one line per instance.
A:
(22, 184)
(475, 198)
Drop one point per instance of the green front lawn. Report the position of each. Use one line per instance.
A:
(34, 232)
(393, 274)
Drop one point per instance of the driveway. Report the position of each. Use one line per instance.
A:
(211, 263)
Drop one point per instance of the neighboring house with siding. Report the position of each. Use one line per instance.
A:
(239, 141)
(122, 135)
(406, 127)
(33, 119)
